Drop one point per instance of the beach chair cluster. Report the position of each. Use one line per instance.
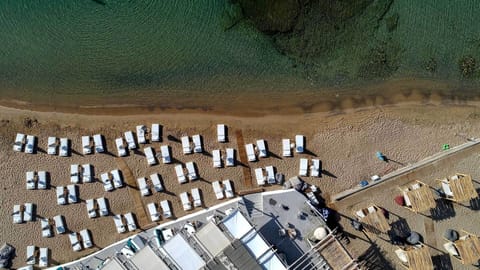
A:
(458, 188)
(29, 141)
(81, 173)
(269, 178)
(314, 168)
(34, 253)
(97, 207)
(22, 213)
(229, 159)
(80, 240)
(187, 144)
(191, 172)
(36, 180)
(125, 222)
(97, 143)
(112, 180)
(259, 149)
(66, 195)
(153, 210)
(220, 187)
(299, 146)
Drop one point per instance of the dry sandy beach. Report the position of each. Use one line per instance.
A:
(345, 142)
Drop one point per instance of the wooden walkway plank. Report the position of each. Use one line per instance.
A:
(242, 154)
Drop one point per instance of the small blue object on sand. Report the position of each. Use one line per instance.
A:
(381, 156)
(363, 183)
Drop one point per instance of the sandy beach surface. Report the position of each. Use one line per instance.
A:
(345, 142)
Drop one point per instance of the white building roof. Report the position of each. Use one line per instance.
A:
(212, 238)
(146, 259)
(182, 253)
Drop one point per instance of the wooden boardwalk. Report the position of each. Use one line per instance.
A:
(140, 214)
(242, 155)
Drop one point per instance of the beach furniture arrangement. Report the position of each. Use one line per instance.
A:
(117, 219)
(180, 174)
(415, 257)
(221, 133)
(74, 174)
(60, 191)
(228, 188)
(270, 174)
(466, 249)
(87, 176)
(286, 148)
(187, 205)
(143, 187)
(197, 200)
(64, 147)
(86, 146)
(217, 190)
(262, 148)
(90, 203)
(31, 258)
(166, 158)
(303, 171)
(152, 209)
(130, 140)
(19, 141)
(299, 143)
(418, 196)
(315, 168)
(42, 180)
(52, 145)
(46, 227)
(141, 134)
(30, 147)
(107, 181)
(157, 184)
(98, 143)
(74, 242)
(197, 144)
(165, 205)
(155, 135)
(150, 155)
(28, 212)
(192, 173)
(217, 160)
(186, 145)
(373, 219)
(59, 225)
(117, 178)
(31, 184)
(102, 207)
(72, 194)
(121, 150)
(230, 159)
(259, 176)
(43, 257)
(86, 240)
(17, 214)
(249, 148)
(458, 188)
(131, 225)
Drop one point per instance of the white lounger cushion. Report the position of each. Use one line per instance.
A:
(259, 176)
(142, 185)
(230, 159)
(59, 226)
(152, 209)
(117, 219)
(250, 152)
(217, 190)
(43, 257)
(192, 174)
(262, 149)
(74, 174)
(217, 161)
(166, 158)
(197, 200)
(450, 248)
(157, 185)
(31, 259)
(107, 182)
(87, 241)
(30, 147)
(130, 140)
(87, 173)
(228, 188)
(64, 149)
(18, 144)
(97, 140)
(28, 212)
(155, 133)
(150, 155)
(446, 189)
(60, 195)
(186, 145)
(121, 150)
(407, 199)
(402, 255)
(42, 180)
(141, 134)
(76, 245)
(166, 209)
(46, 228)
(303, 167)
(185, 201)
(117, 178)
(17, 214)
(299, 143)
(30, 178)
(270, 174)
(197, 142)
(221, 133)
(180, 174)
(286, 149)
(315, 168)
(91, 208)
(102, 207)
(72, 194)
(52, 145)
(132, 226)
(86, 149)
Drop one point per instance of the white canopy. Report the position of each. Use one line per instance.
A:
(182, 253)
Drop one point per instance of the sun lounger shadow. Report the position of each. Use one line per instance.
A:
(176, 161)
(327, 173)
(203, 180)
(274, 155)
(443, 210)
(169, 193)
(394, 161)
(310, 153)
(138, 152)
(242, 164)
(40, 150)
(106, 152)
(76, 152)
(475, 203)
(173, 139)
(205, 153)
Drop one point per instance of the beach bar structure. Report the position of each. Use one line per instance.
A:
(458, 188)
(466, 249)
(418, 196)
(415, 257)
(373, 219)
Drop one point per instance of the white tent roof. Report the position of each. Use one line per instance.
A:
(146, 259)
(271, 261)
(182, 253)
(212, 238)
(237, 224)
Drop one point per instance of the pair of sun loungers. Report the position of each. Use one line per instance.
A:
(47, 227)
(191, 172)
(197, 144)
(219, 190)
(22, 213)
(97, 205)
(52, 144)
(66, 196)
(314, 168)
(261, 178)
(127, 222)
(261, 147)
(36, 180)
(141, 136)
(81, 173)
(112, 180)
(229, 160)
(299, 146)
(97, 141)
(30, 143)
(32, 256)
(77, 245)
(153, 211)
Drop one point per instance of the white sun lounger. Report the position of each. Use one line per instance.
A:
(286, 150)
(408, 203)
(217, 190)
(150, 155)
(72, 194)
(228, 188)
(107, 182)
(87, 241)
(142, 185)
(18, 144)
(197, 144)
(64, 149)
(117, 179)
(141, 134)
(121, 150)
(166, 158)
(217, 160)
(98, 142)
(230, 159)
(303, 171)
(30, 147)
(262, 149)
(46, 227)
(197, 200)
(250, 152)
(42, 180)
(102, 207)
(185, 201)
(259, 176)
(28, 212)
(152, 209)
(43, 258)
(157, 185)
(30, 180)
(17, 214)
(167, 213)
(186, 145)
(270, 174)
(192, 174)
(119, 224)
(91, 208)
(155, 133)
(446, 189)
(86, 148)
(59, 225)
(299, 143)
(180, 174)
(87, 173)
(130, 140)
(315, 168)
(31, 258)
(221, 133)
(61, 195)
(52, 146)
(74, 174)
(76, 245)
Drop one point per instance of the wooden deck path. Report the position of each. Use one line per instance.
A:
(140, 214)
(242, 155)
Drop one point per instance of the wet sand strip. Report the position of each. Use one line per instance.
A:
(242, 155)
(140, 213)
